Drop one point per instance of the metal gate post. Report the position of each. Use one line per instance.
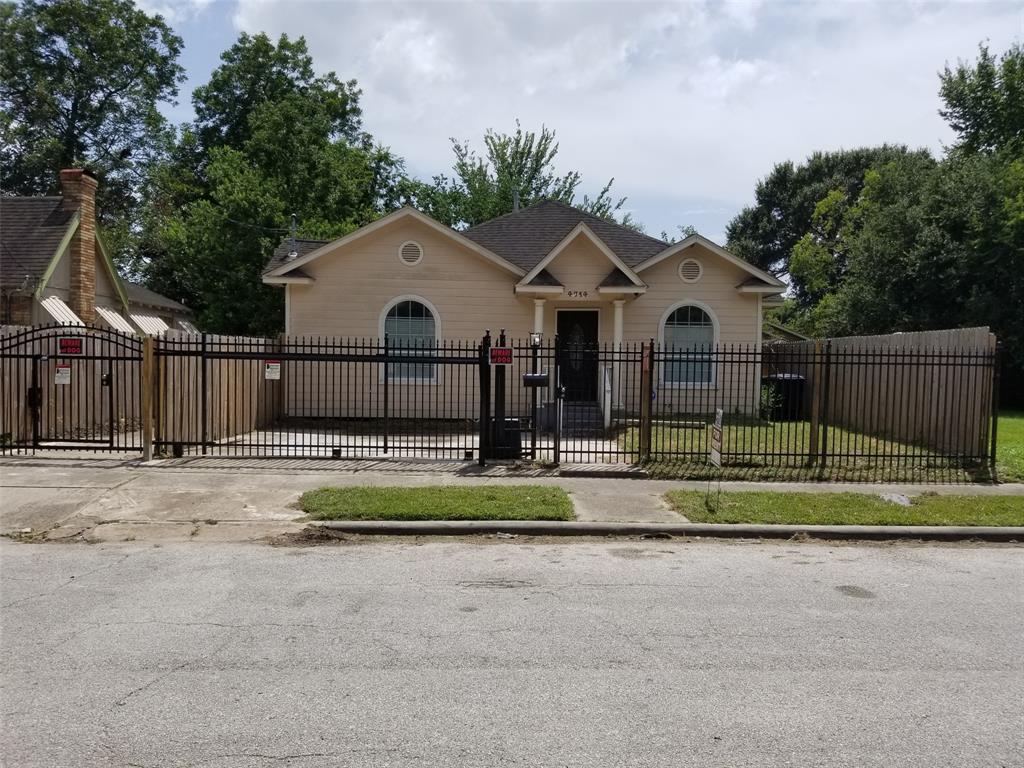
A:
(997, 363)
(534, 395)
(147, 398)
(824, 404)
(204, 394)
(499, 402)
(558, 402)
(36, 396)
(646, 402)
(485, 397)
(387, 391)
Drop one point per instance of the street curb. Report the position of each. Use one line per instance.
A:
(711, 530)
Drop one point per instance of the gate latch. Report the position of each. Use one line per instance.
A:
(105, 379)
(560, 393)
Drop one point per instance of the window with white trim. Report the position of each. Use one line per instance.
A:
(411, 329)
(688, 337)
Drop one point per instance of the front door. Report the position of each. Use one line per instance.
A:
(577, 338)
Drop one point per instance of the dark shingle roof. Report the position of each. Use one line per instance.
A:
(140, 294)
(525, 237)
(302, 247)
(31, 228)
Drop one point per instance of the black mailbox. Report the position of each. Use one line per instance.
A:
(535, 380)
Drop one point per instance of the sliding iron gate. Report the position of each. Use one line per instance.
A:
(316, 398)
(846, 410)
(67, 388)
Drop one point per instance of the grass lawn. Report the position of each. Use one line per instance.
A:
(846, 509)
(520, 502)
(1010, 447)
(779, 451)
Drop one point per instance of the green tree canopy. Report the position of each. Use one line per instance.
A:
(79, 84)
(984, 101)
(766, 233)
(254, 72)
(271, 141)
(485, 186)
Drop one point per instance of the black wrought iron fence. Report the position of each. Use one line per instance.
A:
(819, 409)
(316, 397)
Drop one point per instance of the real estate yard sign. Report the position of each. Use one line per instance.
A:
(716, 439)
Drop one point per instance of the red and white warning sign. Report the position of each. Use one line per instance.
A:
(272, 370)
(62, 373)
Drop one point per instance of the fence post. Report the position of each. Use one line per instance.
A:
(826, 389)
(485, 398)
(997, 363)
(147, 397)
(646, 397)
(812, 447)
(557, 455)
(500, 441)
(387, 391)
(204, 428)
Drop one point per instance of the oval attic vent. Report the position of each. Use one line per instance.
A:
(410, 253)
(690, 270)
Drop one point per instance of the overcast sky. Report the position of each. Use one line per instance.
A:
(685, 105)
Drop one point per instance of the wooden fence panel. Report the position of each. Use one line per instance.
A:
(928, 388)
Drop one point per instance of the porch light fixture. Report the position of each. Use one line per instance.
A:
(536, 338)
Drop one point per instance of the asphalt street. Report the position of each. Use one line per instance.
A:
(511, 652)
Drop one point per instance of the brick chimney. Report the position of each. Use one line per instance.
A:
(78, 189)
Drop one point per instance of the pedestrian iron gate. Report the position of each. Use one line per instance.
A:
(64, 388)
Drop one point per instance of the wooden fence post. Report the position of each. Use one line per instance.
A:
(147, 398)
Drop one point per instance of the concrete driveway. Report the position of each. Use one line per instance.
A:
(595, 653)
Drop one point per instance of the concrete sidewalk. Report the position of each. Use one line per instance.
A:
(112, 499)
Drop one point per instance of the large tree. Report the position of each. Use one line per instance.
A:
(486, 185)
(79, 84)
(786, 199)
(271, 141)
(984, 101)
(256, 71)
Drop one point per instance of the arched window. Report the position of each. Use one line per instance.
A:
(688, 335)
(411, 326)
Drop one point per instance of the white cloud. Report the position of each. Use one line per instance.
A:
(174, 11)
(687, 105)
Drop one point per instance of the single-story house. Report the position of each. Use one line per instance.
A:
(54, 267)
(549, 268)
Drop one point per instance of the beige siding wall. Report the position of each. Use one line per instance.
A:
(737, 313)
(355, 283)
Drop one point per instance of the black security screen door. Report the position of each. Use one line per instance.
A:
(577, 337)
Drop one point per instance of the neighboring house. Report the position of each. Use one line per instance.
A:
(772, 331)
(55, 269)
(549, 268)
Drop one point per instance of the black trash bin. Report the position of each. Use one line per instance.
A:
(506, 443)
(782, 397)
